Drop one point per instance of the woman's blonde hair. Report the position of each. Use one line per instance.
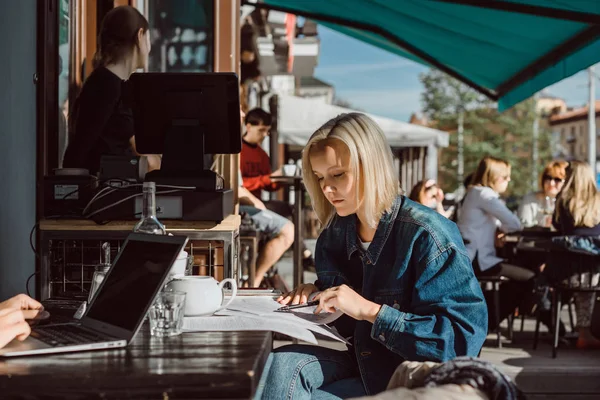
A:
(371, 162)
(489, 170)
(579, 196)
(554, 169)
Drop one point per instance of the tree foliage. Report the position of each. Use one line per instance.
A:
(507, 135)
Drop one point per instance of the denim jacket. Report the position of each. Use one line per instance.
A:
(417, 268)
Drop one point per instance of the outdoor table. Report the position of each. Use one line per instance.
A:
(213, 365)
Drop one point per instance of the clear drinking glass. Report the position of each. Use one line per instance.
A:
(148, 223)
(99, 274)
(166, 314)
(100, 271)
(549, 205)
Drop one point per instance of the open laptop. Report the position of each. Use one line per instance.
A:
(118, 307)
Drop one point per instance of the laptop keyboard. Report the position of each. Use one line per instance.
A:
(67, 335)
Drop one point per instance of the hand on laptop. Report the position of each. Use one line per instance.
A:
(23, 302)
(13, 315)
(12, 325)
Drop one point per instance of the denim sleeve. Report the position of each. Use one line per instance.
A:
(447, 316)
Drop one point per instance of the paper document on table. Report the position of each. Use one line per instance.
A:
(268, 306)
(242, 323)
(254, 305)
(291, 319)
(308, 314)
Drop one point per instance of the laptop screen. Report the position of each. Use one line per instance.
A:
(134, 279)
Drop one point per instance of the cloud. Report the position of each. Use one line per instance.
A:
(341, 69)
(398, 104)
(574, 90)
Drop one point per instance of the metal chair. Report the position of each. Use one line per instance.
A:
(574, 274)
(492, 283)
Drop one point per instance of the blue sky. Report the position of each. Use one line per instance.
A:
(384, 84)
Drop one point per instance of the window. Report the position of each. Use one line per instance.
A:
(181, 33)
(64, 58)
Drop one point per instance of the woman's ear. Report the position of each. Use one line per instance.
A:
(140, 36)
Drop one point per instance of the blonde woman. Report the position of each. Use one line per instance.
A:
(396, 269)
(535, 207)
(578, 213)
(481, 215)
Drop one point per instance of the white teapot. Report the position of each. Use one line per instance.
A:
(204, 295)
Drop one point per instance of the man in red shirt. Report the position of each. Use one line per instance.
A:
(256, 167)
(254, 161)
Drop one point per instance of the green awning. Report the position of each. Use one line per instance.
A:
(505, 49)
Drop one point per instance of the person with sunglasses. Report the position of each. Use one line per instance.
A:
(536, 208)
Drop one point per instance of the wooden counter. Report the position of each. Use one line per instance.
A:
(230, 223)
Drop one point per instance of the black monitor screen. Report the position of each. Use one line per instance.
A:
(206, 103)
(136, 275)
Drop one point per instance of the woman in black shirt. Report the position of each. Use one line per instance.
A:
(101, 122)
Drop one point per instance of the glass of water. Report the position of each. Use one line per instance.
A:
(166, 314)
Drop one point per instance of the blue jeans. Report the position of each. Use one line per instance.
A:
(298, 372)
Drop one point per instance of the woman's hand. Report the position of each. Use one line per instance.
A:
(298, 295)
(439, 195)
(22, 302)
(12, 325)
(349, 302)
(500, 240)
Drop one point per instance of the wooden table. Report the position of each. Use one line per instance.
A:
(66, 229)
(215, 365)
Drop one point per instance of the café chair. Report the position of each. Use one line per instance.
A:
(574, 273)
(251, 242)
(492, 284)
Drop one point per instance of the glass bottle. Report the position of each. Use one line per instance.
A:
(100, 271)
(148, 223)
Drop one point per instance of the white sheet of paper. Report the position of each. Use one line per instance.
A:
(254, 305)
(243, 323)
(267, 306)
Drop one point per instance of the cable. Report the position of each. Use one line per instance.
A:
(113, 204)
(78, 188)
(125, 199)
(27, 283)
(31, 240)
(176, 187)
(98, 195)
(106, 191)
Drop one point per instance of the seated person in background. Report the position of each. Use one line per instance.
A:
(279, 231)
(13, 315)
(430, 195)
(397, 270)
(536, 208)
(578, 213)
(254, 161)
(256, 167)
(481, 214)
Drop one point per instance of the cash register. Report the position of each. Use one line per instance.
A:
(183, 117)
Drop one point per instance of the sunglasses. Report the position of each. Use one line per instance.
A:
(551, 178)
